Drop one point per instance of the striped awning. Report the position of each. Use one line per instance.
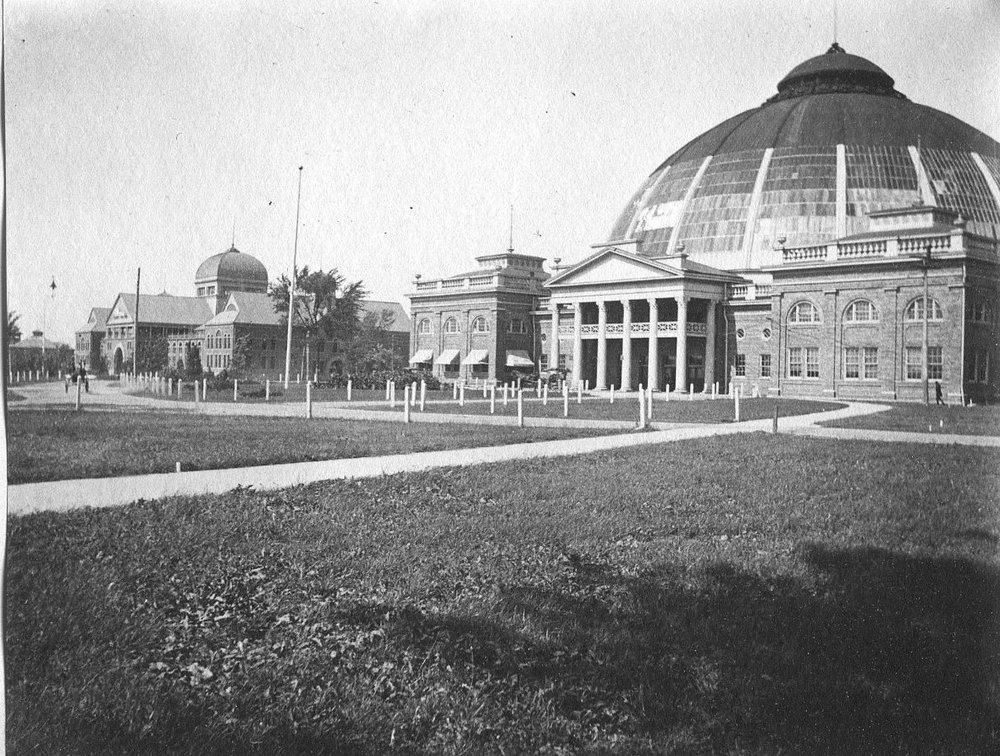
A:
(477, 357)
(519, 358)
(447, 357)
(422, 357)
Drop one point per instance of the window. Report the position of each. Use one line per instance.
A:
(479, 325)
(935, 363)
(979, 312)
(424, 327)
(741, 365)
(766, 334)
(915, 311)
(740, 333)
(803, 356)
(861, 362)
(562, 361)
(543, 362)
(803, 312)
(812, 362)
(451, 325)
(765, 366)
(860, 311)
(795, 362)
(914, 363)
(982, 367)
(515, 325)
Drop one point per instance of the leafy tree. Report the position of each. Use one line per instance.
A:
(240, 363)
(154, 354)
(368, 352)
(13, 329)
(327, 308)
(192, 361)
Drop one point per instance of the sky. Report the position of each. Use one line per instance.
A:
(146, 134)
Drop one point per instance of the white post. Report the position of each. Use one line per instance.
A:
(484, 388)
(565, 400)
(204, 389)
(236, 388)
(666, 393)
(506, 388)
(545, 395)
(196, 399)
(348, 389)
(298, 377)
(649, 394)
(413, 394)
(180, 387)
(642, 407)
(454, 391)
(392, 394)
(586, 385)
(579, 394)
(423, 395)
(538, 389)
(309, 400)
(387, 390)
(493, 400)
(690, 391)
(267, 390)
(79, 384)
(461, 395)
(406, 404)
(736, 401)
(612, 393)
(280, 375)
(520, 408)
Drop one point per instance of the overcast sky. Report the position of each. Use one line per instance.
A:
(139, 133)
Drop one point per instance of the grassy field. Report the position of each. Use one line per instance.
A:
(253, 393)
(753, 594)
(921, 418)
(57, 444)
(672, 411)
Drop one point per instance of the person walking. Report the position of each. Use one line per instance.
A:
(938, 396)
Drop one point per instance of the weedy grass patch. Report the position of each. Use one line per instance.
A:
(980, 420)
(59, 444)
(738, 595)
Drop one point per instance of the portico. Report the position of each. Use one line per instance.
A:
(638, 320)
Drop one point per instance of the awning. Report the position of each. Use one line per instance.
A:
(447, 357)
(422, 357)
(519, 358)
(477, 357)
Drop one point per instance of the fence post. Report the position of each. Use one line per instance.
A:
(642, 407)
(454, 391)
(387, 390)
(565, 400)
(612, 393)
(666, 393)
(737, 405)
(493, 400)
(406, 404)
(348, 389)
(649, 394)
(520, 408)
(579, 393)
(298, 378)
(691, 392)
(79, 385)
(196, 400)
(461, 395)
(267, 390)
(545, 395)
(413, 394)
(204, 389)
(236, 385)
(423, 394)
(392, 394)
(309, 400)
(506, 388)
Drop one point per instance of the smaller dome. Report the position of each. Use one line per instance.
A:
(835, 71)
(232, 265)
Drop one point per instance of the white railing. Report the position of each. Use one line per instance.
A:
(803, 254)
(666, 326)
(862, 249)
(918, 244)
(697, 329)
(615, 329)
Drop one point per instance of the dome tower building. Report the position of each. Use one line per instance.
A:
(226, 272)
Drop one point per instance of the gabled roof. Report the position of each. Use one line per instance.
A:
(400, 320)
(163, 309)
(249, 308)
(36, 342)
(96, 322)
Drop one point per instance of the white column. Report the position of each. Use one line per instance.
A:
(626, 345)
(653, 372)
(554, 345)
(710, 347)
(602, 346)
(577, 342)
(682, 348)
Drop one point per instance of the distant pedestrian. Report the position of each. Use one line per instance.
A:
(938, 396)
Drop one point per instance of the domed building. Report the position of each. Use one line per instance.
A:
(785, 251)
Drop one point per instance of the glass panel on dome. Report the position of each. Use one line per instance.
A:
(878, 178)
(715, 218)
(959, 186)
(620, 229)
(799, 198)
(661, 211)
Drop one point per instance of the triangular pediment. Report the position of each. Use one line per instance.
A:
(613, 266)
(119, 311)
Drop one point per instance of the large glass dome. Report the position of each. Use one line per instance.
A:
(836, 142)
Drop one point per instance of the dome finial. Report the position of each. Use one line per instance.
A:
(835, 48)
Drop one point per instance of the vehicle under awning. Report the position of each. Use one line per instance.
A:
(447, 357)
(518, 358)
(422, 357)
(477, 357)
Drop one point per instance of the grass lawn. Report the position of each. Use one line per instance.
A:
(672, 411)
(753, 594)
(921, 418)
(13, 396)
(58, 444)
(253, 393)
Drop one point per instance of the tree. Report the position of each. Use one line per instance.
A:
(13, 329)
(368, 351)
(192, 361)
(240, 363)
(327, 308)
(154, 354)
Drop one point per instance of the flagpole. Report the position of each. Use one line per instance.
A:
(135, 353)
(291, 287)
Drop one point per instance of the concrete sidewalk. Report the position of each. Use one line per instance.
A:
(108, 492)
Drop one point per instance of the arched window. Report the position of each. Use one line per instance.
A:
(218, 339)
(860, 311)
(479, 325)
(451, 325)
(424, 327)
(914, 312)
(803, 312)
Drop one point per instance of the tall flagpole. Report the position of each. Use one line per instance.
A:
(291, 288)
(135, 353)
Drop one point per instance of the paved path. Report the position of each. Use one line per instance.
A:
(108, 492)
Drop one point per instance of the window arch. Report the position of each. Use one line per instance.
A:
(424, 327)
(451, 325)
(479, 325)
(860, 311)
(218, 339)
(914, 312)
(803, 312)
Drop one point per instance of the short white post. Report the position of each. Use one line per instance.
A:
(484, 389)
(506, 388)
(298, 377)
(520, 408)
(612, 393)
(180, 387)
(691, 392)
(392, 394)
(387, 390)
(204, 389)
(178, 467)
(348, 389)
(267, 390)
(666, 393)
(461, 395)
(642, 407)
(545, 395)
(454, 390)
(736, 405)
(309, 400)
(79, 385)
(565, 400)
(579, 394)
(649, 393)
(316, 376)
(406, 404)
(236, 388)
(538, 389)
(586, 385)
(280, 377)
(196, 399)
(493, 400)
(423, 395)
(413, 394)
